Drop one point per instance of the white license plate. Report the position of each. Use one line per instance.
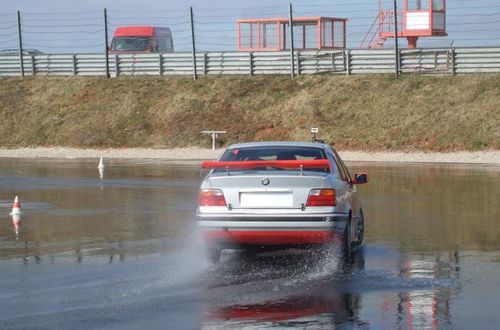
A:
(266, 199)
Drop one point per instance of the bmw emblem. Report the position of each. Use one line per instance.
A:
(265, 182)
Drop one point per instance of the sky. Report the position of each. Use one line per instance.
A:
(66, 26)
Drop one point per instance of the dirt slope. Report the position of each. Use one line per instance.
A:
(366, 113)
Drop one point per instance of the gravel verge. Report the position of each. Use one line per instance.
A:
(462, 157)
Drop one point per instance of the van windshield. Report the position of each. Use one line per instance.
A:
(130, 44)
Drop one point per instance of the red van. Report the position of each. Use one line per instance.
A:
(142, 39)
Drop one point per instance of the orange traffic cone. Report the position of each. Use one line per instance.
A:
(16, 207)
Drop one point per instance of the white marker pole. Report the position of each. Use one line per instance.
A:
(101, 163)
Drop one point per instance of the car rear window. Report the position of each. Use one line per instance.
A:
(275, 153)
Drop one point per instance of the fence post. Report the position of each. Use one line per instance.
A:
(193, 43)
(160, 64)
(106, 50)
(298, 63)
(333, 61)
(396, 46)
(250, 62)
(205, 63)
(347, 61)
(292, 57)
(75, 72)
(117, 65)
(400, 61)
(20, 39)
(33, 68)
(453, 61)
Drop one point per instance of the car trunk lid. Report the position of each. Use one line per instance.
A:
(284, 191)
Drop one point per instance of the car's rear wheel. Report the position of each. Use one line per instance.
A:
(213, 254)
(360, 229)
(346, 247)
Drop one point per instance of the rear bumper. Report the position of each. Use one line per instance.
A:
(260, 237)
(276, 232)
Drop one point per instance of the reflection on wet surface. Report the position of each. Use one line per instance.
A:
(319, 294)
(121, 252)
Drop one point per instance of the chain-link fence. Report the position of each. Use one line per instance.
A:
(468, 24)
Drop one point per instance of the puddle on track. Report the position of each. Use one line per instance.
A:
(120, 252)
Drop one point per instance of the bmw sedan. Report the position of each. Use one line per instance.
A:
(275, 195)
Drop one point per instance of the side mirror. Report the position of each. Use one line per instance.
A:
(360, 178)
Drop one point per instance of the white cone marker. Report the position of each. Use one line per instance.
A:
(101, 163)
(16, 207)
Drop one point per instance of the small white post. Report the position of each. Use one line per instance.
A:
(214, 135)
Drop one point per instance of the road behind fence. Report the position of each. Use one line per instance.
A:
(344, 62)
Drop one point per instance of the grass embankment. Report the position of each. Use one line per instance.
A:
(368, 113)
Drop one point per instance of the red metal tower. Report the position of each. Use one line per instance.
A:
(417, 18)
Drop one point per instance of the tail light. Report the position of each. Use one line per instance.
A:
(211, 197)
(322, 197)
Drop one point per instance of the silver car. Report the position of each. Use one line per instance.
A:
(279, 195)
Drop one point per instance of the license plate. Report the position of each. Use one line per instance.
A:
(266, 199)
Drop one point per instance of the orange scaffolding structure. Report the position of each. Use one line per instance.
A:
(309, 33)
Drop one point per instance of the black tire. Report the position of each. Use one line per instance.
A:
(360, 229)
(346, 248)
(213, 254)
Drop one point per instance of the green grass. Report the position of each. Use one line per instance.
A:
(367, 113)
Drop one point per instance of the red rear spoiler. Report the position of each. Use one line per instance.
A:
(297, 164)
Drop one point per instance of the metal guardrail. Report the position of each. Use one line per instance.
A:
(347, 62)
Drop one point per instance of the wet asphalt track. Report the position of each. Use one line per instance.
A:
(121, 253)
